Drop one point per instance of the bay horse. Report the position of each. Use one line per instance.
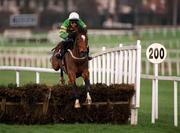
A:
(75, 64)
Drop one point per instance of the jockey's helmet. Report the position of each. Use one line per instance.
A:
(73, 16)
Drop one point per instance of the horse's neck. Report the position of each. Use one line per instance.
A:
(75, 49)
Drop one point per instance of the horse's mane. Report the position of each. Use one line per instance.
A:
(82, 30)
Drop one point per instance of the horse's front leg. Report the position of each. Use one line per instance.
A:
(72, 81)
(62, 77)
(85, 76)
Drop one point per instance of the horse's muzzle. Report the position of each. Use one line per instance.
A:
(83, 54)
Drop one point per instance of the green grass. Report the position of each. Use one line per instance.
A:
(8, 77)
(163, 125)
(85, 128)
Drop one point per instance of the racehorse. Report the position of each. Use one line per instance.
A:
(75, 64)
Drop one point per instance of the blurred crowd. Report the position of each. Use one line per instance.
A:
(96, 13)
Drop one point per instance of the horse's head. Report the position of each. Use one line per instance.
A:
(81, 43)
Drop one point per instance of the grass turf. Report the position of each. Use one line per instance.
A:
(163, 125)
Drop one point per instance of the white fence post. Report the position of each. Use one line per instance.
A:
(175, 104)
(138, 73)
(99, 68)
(17, 78)
(153, 102)
(108, 69)
(103, 66)
(91, 72)
(37, 77)
(156, 90)
(136, 98)
(112, 71)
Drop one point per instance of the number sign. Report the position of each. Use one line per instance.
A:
(156, 53)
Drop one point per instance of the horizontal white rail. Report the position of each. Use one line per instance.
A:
(169, 78)
(155, 95)
(31, 69)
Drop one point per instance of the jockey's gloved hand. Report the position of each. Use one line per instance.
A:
(69, 40)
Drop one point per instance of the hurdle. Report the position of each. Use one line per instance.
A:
(117, 66)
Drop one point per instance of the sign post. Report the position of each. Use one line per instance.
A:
(155, 53)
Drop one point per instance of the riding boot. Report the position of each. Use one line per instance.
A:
(64, 48)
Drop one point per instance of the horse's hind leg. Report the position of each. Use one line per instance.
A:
(72, 81)
(62, 77)
(87, 85)
(88, 97)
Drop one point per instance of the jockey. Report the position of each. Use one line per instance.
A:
(66, 32)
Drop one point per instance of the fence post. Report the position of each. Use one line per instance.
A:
(153, 102)
(138, 73)
(17, 78)
(136, 98)
(103, 66)
(175, 104)
(156, 90)
(37, 77)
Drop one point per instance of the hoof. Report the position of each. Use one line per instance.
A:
(62, 81)
(88, 99)
(77, 104)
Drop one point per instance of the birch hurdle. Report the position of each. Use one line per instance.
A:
(117, 66)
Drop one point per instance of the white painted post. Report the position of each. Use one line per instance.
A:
(91, 72)
(136, 98)
(99, 69)
(134, 66)
(116, 67)
(154, 114)
(130, 67)
(156, 90)
(112, 68)
(175, 104)
(120, 65)
(153, 103)
(108, 69)
(138, 73)
(95, 70)
(103, 68)
(37, 78)
(125, 67)
(17, 78)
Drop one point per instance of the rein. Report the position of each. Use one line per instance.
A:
(74, 57)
